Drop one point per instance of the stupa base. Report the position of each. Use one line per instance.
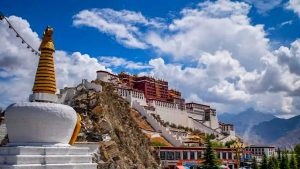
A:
(50, 166)
(44, 157)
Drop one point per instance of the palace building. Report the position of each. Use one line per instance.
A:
(152, 88)
(153, 97)
(258, 151)
(179, 157)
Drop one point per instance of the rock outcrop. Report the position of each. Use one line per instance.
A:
(106, 119)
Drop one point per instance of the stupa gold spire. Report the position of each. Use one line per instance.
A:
(45, 74)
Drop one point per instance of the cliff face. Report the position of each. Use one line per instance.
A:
(107, 120)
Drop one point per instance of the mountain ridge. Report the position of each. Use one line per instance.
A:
(256, 127)
(278, 132)
(245, 120)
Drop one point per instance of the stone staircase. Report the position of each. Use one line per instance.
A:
(174, 140)
(35, 157)
(202, 127)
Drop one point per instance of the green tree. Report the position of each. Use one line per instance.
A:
(210, 136)
(210, 159)
(264, 163)
(229, 143)
(297, 153)
(293, 161)
(273, 163)
(284, 162)
(254, 164)
(216, 144)
(279, 156)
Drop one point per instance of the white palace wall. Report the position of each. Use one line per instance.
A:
(132, 95)
(156, 125)
(213, 122)
(196, 116)
(202, 127)
(106, 77)
(169, 112)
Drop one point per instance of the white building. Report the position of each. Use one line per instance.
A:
(106, 76)
(132, 95)
(169, 112)
(196, 116)
(226, 128)
(191, 115)
(259, 151)
(66, 95)
(204, 114)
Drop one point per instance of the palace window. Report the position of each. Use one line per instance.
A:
(162, 155)
(185, 155)
(192, 155)
(170, 155)
(177, 155)
(230, 155)
(224, 155)
(219, 155)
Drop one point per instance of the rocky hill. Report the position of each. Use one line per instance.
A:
(107, 120)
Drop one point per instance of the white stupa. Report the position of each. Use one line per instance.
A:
(40, 131)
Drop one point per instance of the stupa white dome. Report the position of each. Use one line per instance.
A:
(31, 123)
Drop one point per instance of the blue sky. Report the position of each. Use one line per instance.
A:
(39, 14)
(66, 35)
(224, 53)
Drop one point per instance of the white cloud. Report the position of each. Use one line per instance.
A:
(287, 104)
(18, 64)
(212, 53)
(123, 25)
(242, 69)
(270, 102)
(290, 56)
(112, 61)
(14, 55)
(221, 8)
(72, 68)
(231, 89)
(221, 65)
(213, 26)
(264, 6)
(217, 55)
(189, 35)
(294, 5)
(289, 22)
(210, 81)
(16, 61)
(225, 92)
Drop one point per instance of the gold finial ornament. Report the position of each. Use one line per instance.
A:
(47, 42)
(45, 75)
